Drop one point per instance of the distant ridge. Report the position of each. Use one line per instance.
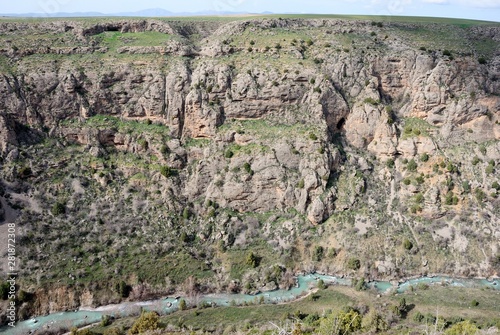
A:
(150, 12)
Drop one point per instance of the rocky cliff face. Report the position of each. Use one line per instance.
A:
(201, 140)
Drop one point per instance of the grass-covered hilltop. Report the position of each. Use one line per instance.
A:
(141, 158)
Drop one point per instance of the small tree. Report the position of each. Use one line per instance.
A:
(24, 296)
(146, 322)
(318, 253)
(374, 322)
(122, 289)
(403, 307)
(354, 264)
(252, 260)
(360, 284)
(105, 320)
(182, 305)
(462, 328)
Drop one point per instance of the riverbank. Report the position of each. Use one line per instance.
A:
(164, 306)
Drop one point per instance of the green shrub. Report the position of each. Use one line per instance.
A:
(105, 320)
(407, 244)
(86, 331)
(462, 328)
(300, 184)
(481, 60)
(490, 169)
(164, 149)
(353, 264)
(451, 168)
(466, 186)
(143, 143)
(412, 165)
(371, 101)
(252, 260)
(418, 317)
(422, 286)
(248, 168)
(374, 322)
(122, 289)
(424, 157)
(475, 160)
(186, 213)
(390, 163)
(415, 208)
(496, 185)
(24, 172)
(482, 149)
(318, 253)
(148, 321)
(313, 136)
(24, 296)
(341, 323)
(309, 42)
(166, 171)
(317, 90)
(182, 305)
(360, 284)
(449, 198)
(4, 290)
(113, 331)
(474, 303)
(228, 154)
(407, 181)
(447, 53)
(480, 195)
(58, 209)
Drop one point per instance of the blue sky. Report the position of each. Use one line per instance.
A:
(472, 9)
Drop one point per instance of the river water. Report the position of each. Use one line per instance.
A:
(168, 305)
